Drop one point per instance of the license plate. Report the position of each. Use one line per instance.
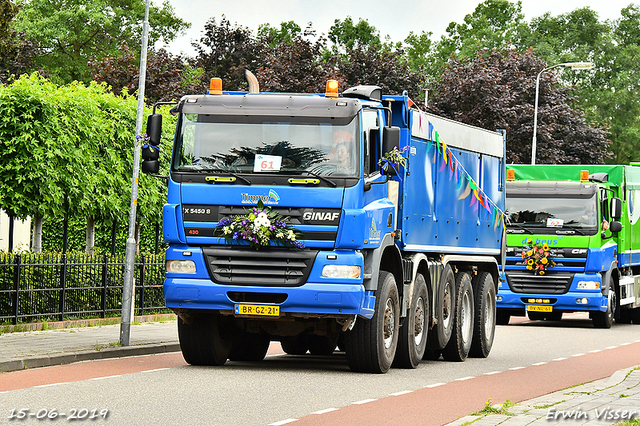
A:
(537, 308)
(262, 310)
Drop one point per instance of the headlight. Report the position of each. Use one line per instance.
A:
(341, 271)
(181, 266)
(588, 285)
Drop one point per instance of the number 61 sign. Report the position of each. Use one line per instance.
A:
(267, 163)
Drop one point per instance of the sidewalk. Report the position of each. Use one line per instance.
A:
(607, 401)
(31, 349)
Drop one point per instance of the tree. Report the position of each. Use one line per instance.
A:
(285, 34)
(169, 77)
(346, 35)
(71, 31)
(388, 69)
(497, 91)
(16, 53)
(296, 66)
(494, 24)
(226, 50)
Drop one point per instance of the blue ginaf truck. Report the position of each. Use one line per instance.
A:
(350, 221)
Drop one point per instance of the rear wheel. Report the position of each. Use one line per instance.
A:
(412, 340)
(296, 345)
(485, 315)
(460, 343)
(322, 345)
(443, 311)
(249, 347)
(502, 317)
(371, 344)
(202, 341)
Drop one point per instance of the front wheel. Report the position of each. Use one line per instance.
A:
(371, 345)
(460, 343)
(202, 341)
(605, 319)
(412, 340)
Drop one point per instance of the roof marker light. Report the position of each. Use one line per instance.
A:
(332, 89)
(215, 87)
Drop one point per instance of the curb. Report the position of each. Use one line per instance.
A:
(68, 358)
(89, 322)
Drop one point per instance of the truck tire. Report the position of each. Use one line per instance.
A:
(296, 345)
(502, 317)
(249, 347)
(322, 345)
(484, 323)
(201, 342)
(371, 344)
(460, 343)
(606, 319)
(412, 340)
(440, 334)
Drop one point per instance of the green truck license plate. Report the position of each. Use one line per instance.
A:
(538, 308)
(262, 310)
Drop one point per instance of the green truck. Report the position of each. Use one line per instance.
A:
(573, 243)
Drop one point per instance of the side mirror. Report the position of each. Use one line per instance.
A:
(614, 227)
(154, 128)
(390, 138)
(616, 208)
(150, 151)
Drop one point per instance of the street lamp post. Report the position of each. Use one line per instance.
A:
(576, 66)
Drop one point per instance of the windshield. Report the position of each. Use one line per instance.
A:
(552, 214)
(264, 145)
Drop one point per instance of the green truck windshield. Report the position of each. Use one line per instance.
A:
(550, 215)
(266, 145)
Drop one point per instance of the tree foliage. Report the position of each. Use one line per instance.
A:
(226, 50)
(69, 151)
(16, 52)
(72, 31)
(497, 91)
(169, 77)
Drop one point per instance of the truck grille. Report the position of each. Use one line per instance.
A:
(267, 267)
(550, 283)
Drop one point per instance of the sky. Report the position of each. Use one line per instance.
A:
(396, 18)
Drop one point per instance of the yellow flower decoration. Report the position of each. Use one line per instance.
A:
(537, 258)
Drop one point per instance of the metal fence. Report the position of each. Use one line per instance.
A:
(66, 286)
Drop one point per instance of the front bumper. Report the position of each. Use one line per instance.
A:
(310, 298)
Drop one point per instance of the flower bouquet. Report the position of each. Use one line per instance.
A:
(260, 227)
(391, 161)
(537, 258)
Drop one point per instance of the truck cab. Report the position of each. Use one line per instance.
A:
(569, 240)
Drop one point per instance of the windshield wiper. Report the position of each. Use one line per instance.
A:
(519, 226)
(314, 174)
(226, 172)
(573, 229)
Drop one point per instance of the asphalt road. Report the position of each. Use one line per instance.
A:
(528, 359)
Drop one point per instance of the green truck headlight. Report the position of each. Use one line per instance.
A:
(588, 285)
(181, 266)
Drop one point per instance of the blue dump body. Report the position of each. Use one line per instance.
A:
(362, 228)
